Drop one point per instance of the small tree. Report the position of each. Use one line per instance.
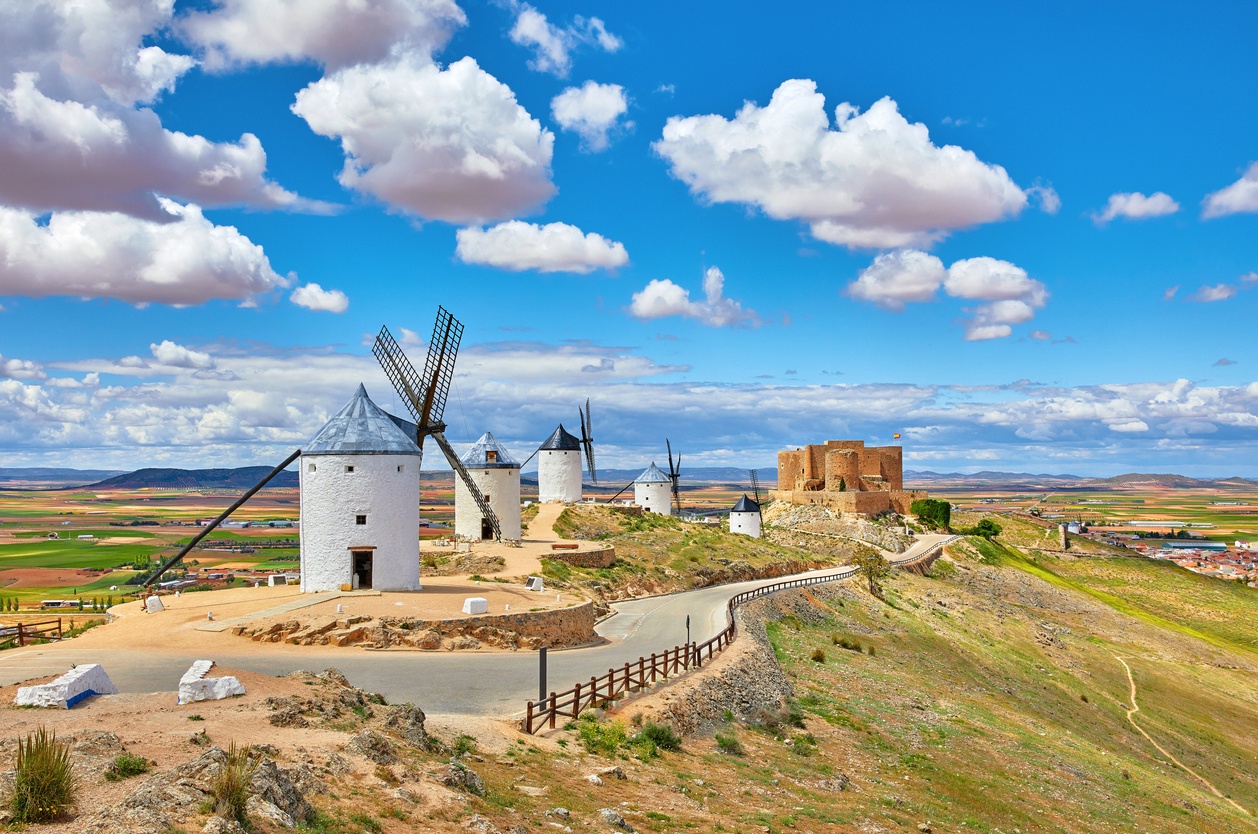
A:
(987, 528)
(932, 512)
(871, 565)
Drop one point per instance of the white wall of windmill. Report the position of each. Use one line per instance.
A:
(748, 524)
(654, 497)
(503, 488)
(384, 491)
(558, 475)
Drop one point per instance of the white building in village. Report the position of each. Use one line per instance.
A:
(559, 468)
(360, 503)
(745, 518)
(652, 490)
(497, 476)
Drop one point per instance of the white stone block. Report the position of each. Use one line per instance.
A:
(535, 583)
(66, 691)
(153, 605)
(475, 605)
(195, 686)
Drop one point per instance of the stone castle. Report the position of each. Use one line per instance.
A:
(847, 476)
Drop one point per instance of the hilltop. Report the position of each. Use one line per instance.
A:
(239, 478)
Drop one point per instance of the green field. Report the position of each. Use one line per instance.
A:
(71, 554)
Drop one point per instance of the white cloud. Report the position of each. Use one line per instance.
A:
(877, 181)
(451, 144)
(1136, 206)
(335, 33)
(552, 46)
(591, 111)
(907, 275)
(1040, 335)
(1170, 292)
(20, 369)
(1050, 202)
(177, 356)
(1218, 292)
(895, 278)
(555, 247)
(73, 135)
(1239, 197)
(661, 298)
(315, 297)
(187, 260)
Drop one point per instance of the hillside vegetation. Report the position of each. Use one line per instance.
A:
(661, 554)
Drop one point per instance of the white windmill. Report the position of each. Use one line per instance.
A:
(651, 491)
(559, 461)
(496, 476)
(360, 503)
(744, 518)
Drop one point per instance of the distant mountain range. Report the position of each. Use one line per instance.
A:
(609, 479)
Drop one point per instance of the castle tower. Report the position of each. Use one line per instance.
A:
(744, 518)
(497, 476)
(360, 503)
(559, 468)
(652, 490)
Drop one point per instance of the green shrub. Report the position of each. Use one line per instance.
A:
(230, 788)
(125, 766)
(932, 512)
(729, 743)
(43, 781)
(661, 735)
(605, 738)
(819, 656)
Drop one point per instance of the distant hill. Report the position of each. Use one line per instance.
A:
(43, 477)
(695, 474)
(241, 478)
(1132, 480)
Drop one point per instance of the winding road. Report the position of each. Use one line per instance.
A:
(496, 684)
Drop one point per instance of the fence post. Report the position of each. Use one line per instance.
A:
(552, 710)
(627, 688)
(21, 641)
(528, 719)
(576, 701)
(654, 670)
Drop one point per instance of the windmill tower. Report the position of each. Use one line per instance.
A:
(425, 397)
(496, 475)
(559, 461)
(651, 491)
(744, 518)
(559, 468)
(360, 503)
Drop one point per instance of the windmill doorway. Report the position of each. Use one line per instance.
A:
(362, 564)
(486, 529)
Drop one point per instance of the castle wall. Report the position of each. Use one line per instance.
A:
(846, 476)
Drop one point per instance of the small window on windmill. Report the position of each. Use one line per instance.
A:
(349, 469)
(311, 468)
(491, 456)
(400, 467)
(360, 520)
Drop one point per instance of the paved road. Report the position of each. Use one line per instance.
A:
(447, 683)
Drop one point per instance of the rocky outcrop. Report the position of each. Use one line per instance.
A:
(823, 521)
(530, 630)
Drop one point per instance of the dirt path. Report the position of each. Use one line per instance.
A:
(1135, 708)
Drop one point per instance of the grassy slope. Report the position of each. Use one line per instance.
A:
(656, 554)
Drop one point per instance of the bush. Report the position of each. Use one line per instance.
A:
(729, 743)
(43, 781)
(819, 656)
(230, 789)
(932, 512)
(125, 766)
(661, 735)
(602, 738)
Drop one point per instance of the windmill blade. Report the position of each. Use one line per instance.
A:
(457, 465)
(587, 439)
(443, 349)
(755, 488)
(622, 491)
(406, 380)
(670, 456)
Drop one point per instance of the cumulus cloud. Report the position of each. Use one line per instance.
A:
(178, 356)
(314, 297)
(20, 369)
(334, 33)
(1239, 197)
(908, 275)
(450, 144)
(555, 247)
(661, 298)
(551, 45)
(1046, 195)
(874, 180)
(74, 133)
(186, 260)
(895, 278)
(591, 111)
(1136, 206)
(1218, 292)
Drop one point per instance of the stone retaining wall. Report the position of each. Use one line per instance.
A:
(557, 628)
(602, 558)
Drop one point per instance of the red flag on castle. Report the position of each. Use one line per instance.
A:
(896, 436)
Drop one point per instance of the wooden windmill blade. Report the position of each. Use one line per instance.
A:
(755, 488)
(674, 475)
(587, 439)
(406, 380)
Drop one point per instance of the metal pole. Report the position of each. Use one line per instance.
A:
(687, 629)
(541, 674)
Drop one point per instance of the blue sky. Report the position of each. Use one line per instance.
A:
(1022, 237)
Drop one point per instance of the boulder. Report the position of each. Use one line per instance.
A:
(195, 686)
(407, 720)
(461, 776)
(614, 819)
(74, 686)
(371, 745)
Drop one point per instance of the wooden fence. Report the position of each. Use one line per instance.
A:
(638, 675)
(23, 633)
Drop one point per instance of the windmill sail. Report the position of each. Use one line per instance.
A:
(755, 488)
(425, 396)
(674, 475)
(587, 439)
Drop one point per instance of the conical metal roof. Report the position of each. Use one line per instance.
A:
(561, 441)
(652, 475)
(488, 453)
(746, 505)
(361, 428)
